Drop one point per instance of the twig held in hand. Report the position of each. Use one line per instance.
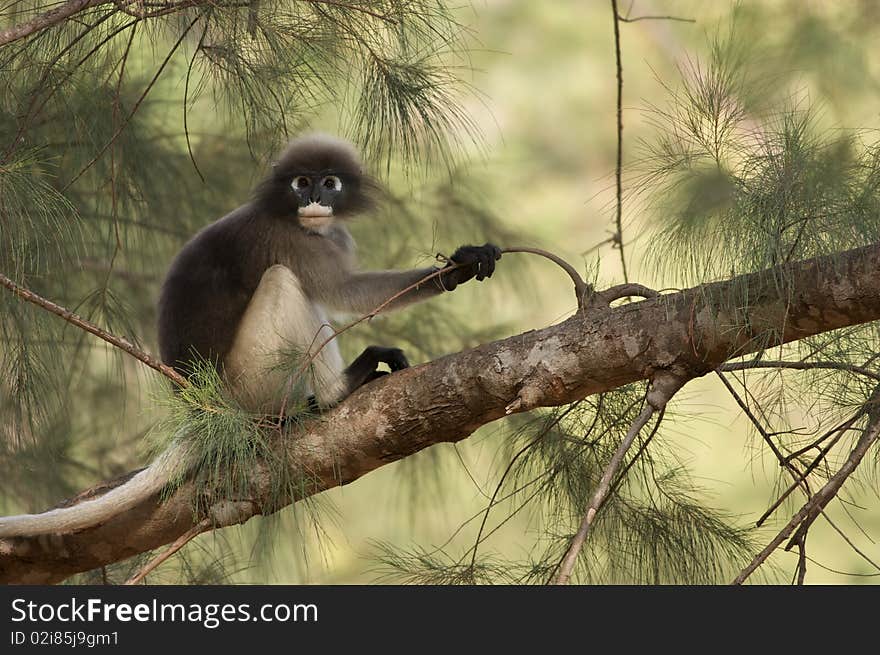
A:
(581, 288)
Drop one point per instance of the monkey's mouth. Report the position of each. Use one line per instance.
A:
(316, 217)
(315, 210)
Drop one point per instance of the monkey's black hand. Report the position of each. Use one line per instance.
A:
(472, 262)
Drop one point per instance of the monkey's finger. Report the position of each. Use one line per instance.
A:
(485, 263)
(481, 270)
(479, 264)
(491, 261)
(488, 261)
(396, 360)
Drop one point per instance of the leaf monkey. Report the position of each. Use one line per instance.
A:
(257, 283)
(261, 280)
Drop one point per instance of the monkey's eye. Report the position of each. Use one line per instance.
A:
(300, 182)
(332, 182)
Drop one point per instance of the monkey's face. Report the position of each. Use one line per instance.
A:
(319, 180)
(320, 197)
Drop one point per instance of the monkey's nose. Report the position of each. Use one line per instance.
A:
(315, 196)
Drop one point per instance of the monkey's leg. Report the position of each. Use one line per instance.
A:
(363, 369)
(274, 360)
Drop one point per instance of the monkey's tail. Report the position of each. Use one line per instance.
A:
(93, 512)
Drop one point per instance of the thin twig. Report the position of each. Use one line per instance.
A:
(838, 572)
(189, 69)
(663, 388)
(114, 199)
(858, 551)
(46, 20)
(581, 288)
(817, 502)
(202, 526)
(636, 19)
(842, 427)
(369, 315)
(74, 319)
(618, 173)
(800, 366)
(610, 239)
(600, 495)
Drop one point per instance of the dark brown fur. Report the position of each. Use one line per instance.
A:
(214, 276)
(212, 279)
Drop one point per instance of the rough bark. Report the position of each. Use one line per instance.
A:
(688, 333)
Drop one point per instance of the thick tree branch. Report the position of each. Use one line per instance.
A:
(689, 333)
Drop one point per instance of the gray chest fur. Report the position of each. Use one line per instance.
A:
(321, 263)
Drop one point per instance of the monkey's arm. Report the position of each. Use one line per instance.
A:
(364, 292)
(361, 293)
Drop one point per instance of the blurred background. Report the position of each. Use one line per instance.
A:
(540, 88)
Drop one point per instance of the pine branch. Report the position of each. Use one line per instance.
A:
(805, 516)
(664, 387)
(72, 318)
(618, 170)
(46, 20)
(801, 366)
(137, 9)
(689, 333)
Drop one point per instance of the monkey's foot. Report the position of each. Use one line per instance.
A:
(364, 369)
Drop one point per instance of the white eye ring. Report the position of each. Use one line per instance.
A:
(332, 182)
(300, 182)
